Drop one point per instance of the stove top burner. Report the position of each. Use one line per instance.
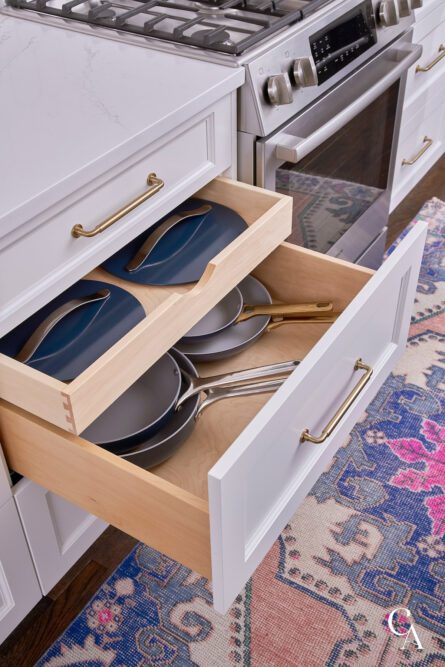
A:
(228, 26)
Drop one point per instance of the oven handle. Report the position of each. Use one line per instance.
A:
(292, 149)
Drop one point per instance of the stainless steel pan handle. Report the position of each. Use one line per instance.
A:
(292, 149)
(249, 375)
(220, 393)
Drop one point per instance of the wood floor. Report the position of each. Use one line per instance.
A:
(56, 611)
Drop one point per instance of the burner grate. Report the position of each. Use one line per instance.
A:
(228, 26)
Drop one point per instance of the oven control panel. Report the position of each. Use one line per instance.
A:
(341, 42)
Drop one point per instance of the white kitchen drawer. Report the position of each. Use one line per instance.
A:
(43, 256)
(426, 88)
(58, 533)
(219, 503)
(171, 312)
(19, 588)
(421, 144)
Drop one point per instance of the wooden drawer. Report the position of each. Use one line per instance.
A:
(43, 256)
(412, 162)
(219, 503)
(171, 313)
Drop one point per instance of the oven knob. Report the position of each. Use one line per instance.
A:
(416, 4)
(405, 8)
(279, 89)
(388, 13)
(305, 72)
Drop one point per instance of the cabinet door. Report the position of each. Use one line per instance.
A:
(19, 587)
(58, 532)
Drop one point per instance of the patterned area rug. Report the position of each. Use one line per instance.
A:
(324, 209)
(322, 597)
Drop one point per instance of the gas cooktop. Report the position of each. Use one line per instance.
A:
(227, 26)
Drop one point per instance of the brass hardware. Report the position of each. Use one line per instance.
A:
(284, 310)
(327, 319)
(427, 144)
(344, 407)
(435, 62)
(155, 184)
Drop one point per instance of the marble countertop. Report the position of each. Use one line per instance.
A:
(73, 105)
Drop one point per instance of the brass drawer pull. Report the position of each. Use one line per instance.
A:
(435, 62)
(344, 407)
(155, 184)
(427, 144)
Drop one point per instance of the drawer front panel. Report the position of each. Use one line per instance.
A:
(423, 87)
(421, 144)
(58, 533)
(257, 485)
(19, 588)
(50, 258)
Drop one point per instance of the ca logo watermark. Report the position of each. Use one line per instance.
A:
(400, 625)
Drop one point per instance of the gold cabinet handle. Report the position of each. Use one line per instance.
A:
(435, 62)
(344, 407)
(155, 184)
(427, 144)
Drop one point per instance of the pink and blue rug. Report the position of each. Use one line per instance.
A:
(368, 539)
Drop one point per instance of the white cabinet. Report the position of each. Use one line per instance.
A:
(58, 532)
(422, 134)
(19, 587)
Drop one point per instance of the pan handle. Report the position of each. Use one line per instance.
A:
(285, 310)
(328, 319)
(154, 238)
(48, 324)
(196, 385)
(220, 393)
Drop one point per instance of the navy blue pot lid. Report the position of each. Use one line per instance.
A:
(80, 337)
(182, 255)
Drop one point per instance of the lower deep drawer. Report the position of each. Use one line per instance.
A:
(218, 504)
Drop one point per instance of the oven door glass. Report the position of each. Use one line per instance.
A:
(340, 181)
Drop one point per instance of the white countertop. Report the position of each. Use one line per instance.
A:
(73, 105)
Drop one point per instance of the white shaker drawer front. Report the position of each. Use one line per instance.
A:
(221, 500)
(258, 484)
(19, 588)
(426, 78)
(421, 144)
(49, 256)
(58, 533)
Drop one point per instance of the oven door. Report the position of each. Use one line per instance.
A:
(336, 158)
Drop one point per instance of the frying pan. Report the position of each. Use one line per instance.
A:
(142, 409)
(163, 444)
(237, 337)
(232, 310)
(151, 401)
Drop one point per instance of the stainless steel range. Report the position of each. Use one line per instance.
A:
(319, 114)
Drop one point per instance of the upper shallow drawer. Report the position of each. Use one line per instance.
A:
(221, 500)
(42, 258)
(425, 81)
(171, 312)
